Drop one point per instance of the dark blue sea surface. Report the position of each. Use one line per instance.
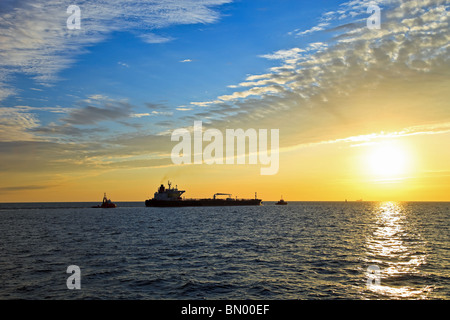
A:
(305, 250)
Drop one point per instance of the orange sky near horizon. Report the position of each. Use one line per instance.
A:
(319, 172)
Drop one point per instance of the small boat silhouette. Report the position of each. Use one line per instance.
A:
(106, 203)
(281, 202)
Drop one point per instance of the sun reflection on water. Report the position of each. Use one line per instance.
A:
(398, 250)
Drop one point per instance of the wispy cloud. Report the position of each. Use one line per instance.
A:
(154, 38)
(23, 187)
(183, 108)
(289, 54)
(320, 27)
(365, 139)
(97, 97)
(15, 123)
(36, 41)
(123, 64)
(344, 84)
(140, 115)
(342, 89)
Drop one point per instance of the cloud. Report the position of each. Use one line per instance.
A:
(162, 113)
(286, 55)
(15, 123)
(35, 39)
(355, 81)
(154, 38)
(153, 113)
(204, 103)
(186, 60)
(57, 109)
(21, 123)
(140, 115)
(255, 91)
(183, 108)
(23, 188)
(123, 64)
(342, 89)
(66, 156)
(361, 140)
(91, 119)
(65, 131)
(98, 97)
(320, 27)
(39, 156)
(156, 106)
(92, 115)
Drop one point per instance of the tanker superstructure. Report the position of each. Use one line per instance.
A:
(171, 197)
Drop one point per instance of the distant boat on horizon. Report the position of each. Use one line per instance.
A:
(106, 203)
(281, 202)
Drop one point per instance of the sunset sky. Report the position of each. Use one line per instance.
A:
(362, 113)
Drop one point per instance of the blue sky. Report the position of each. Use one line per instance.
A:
(187, 62)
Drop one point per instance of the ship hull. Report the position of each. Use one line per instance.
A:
(202, 203)
(105, 206)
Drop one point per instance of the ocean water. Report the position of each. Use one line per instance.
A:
(305, 250)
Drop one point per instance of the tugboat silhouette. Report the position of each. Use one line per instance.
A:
(281, 202)
(107, 203)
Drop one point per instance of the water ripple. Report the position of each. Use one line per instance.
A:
(306, 250)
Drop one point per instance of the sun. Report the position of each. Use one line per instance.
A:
(388, 160)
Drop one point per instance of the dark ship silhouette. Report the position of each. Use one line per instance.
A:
(281, 202)
(106, 203)
(171, 197)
